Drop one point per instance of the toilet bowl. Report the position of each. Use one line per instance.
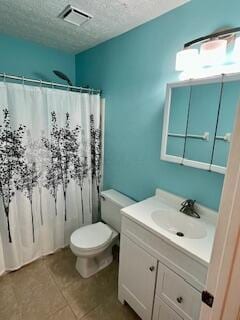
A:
(92, 244)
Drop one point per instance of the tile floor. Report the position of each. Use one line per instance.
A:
(51, 289)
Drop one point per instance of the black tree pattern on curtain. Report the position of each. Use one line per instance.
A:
(53, 177)
(28, 179)
(11, 161)
(79, 173)
(47, 162)
(96, 155)
(42, 163)
(37, 155)
(68, 147)
(63, 144)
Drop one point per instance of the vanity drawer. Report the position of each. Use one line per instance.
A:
(177, 293)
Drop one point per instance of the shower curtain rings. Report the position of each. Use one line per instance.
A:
(23, 80)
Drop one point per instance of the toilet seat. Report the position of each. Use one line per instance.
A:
(91, 237)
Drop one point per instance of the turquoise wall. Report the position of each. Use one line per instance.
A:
(21, 57)
(133, 70)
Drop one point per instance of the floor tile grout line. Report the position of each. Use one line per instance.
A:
(52, 314)
(60, 291)
(86, 314)
(58, 285)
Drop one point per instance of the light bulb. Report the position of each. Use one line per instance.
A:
(186, 59)
(236, 50)
(213, 52)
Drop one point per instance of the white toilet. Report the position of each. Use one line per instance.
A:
(93, 244)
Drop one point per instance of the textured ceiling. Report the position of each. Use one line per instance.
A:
(37, 20)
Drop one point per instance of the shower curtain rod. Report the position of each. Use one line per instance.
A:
(52, 84)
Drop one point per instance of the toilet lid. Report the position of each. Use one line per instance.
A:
(92, 236)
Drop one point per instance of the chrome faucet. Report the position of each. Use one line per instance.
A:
(188, 208)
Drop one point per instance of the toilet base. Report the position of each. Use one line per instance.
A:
(88, 266)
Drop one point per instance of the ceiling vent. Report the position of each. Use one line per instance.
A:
(75, 16)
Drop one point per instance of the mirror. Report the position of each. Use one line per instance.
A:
(198, 122)
(177, 129)
(227, 112)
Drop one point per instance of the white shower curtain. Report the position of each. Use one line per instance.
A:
(50, 169)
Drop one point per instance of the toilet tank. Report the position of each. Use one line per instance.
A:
(112, 202)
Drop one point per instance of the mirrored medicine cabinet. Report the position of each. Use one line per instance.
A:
(198, 121)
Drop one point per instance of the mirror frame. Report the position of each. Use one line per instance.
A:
(180, 160)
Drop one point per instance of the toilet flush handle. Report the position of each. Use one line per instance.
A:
(102, 197)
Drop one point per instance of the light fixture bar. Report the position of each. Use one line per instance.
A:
(211, 36)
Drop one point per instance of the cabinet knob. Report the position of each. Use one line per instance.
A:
(180, 299)
(152, 268)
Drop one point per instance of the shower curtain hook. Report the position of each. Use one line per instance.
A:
(52, 85)
(23, 80)
(40, 83)
(4, 77)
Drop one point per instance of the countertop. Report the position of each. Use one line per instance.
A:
(198, 249)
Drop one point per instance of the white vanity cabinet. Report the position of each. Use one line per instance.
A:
(156, 279)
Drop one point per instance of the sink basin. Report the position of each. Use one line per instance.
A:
(179, 224)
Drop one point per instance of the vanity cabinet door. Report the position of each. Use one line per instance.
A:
(137, 276)
(203, 112)
(227, 112)
(177, 120)
(164, 312)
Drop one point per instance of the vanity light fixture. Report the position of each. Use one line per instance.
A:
(213, 48)
(186, 59)
(236, 50)
(213, 52)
